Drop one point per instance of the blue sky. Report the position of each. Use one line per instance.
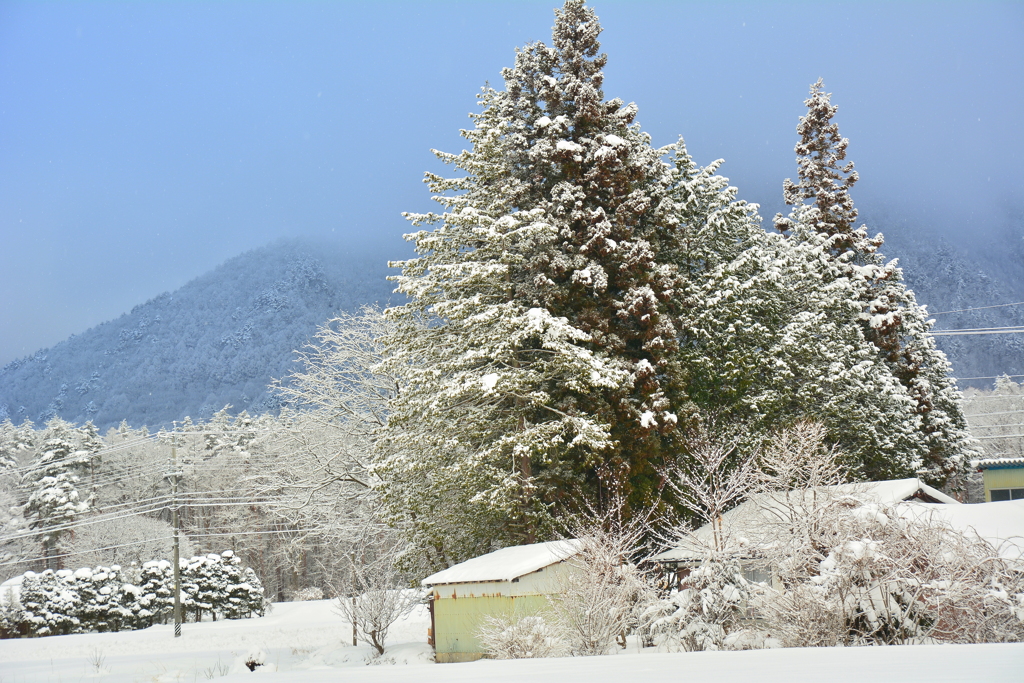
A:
(141, 144)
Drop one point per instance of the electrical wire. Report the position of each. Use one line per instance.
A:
(188, 535)
(978, 308)
(994, 377)
(1003, 397)
(83, 552)
(978, 330)
(1001, 412)
(995, 426)
(236, 501)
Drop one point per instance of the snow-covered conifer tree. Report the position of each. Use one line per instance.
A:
(50, 603)
(154, 599)
(535, 355)
(52, 481)
(887, 312)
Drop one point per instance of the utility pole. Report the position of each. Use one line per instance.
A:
(174, 522)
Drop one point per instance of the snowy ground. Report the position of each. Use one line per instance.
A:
(304, 643)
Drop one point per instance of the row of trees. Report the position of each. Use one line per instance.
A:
(109, 599)
(585, 303)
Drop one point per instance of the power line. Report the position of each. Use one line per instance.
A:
(995, 426)
(1004, 436)
(1002, 397)
(993, 377)
(1001, 412)
(190, 536)
(82, 552)
(978, 330)
(234, 501)
(978, 308)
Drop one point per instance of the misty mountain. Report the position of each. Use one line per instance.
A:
(218, 340)
(221, 338)
(949, 277)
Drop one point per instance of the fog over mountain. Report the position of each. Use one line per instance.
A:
(218, 340)
(949, 277)
(221, 338)
(142, 144)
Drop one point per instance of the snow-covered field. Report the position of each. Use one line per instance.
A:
(305, 642)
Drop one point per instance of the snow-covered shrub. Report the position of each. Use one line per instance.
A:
(50, 603)
(708, 611)
(219, 586)
(151, 600)
(101, 595)
(511, 637)
(855, 573)
(12, 621)
(204, 585)
(109, 599)
(308, 593)
(244, 595)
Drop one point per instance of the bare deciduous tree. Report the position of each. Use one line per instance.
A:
(603, 597)
(374, 597)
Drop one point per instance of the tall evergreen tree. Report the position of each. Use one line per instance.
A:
(52, 484)
(536, 347)
(888, 313)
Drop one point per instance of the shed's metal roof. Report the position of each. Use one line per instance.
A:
(506, 564)
(986, 463)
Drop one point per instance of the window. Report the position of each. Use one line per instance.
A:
(1006, 494)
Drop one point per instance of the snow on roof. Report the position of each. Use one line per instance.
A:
(985, 463)
(1000, 523)
(895, 490)
(506, 564)
(746, 519)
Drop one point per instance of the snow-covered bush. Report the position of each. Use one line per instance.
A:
(50, 604)
(244, 594)
(12, 623)
(109, 599)
(855, 573)
(308, 593)
(218, 585)
(151, 600)
(511, 637)
(707, 612)
(101, 594)
(374, 598)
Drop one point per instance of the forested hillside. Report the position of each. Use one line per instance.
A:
(218, 340)
(949, 278)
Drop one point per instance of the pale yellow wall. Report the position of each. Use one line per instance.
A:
(1010, 478)
(456, 621)
(459, 609)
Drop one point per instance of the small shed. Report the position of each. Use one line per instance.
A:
(514, 580)
(1004, 478)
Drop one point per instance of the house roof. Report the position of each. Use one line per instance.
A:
(506, 564)
(1000, 523)
(746, 520)
(986, 463)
